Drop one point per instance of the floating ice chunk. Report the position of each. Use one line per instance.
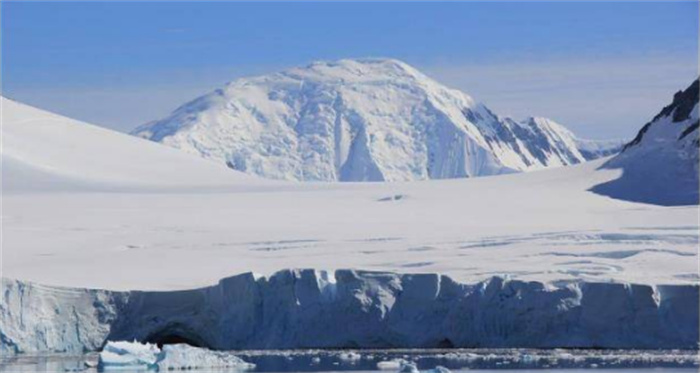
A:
(408, 367)
(405, 366)
(128, 355)
(138, 356)
(394, 364)
(182, 356)
(350, 356)
(437, 369)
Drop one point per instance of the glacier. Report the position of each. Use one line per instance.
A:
(367, 119)
(352, 309)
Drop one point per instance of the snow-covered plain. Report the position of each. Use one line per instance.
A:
(86, 207)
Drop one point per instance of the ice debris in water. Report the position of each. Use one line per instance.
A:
(122, 355)
(394, 364)
(405, 366)
(350, 356)
(438, 369)
(136, 355)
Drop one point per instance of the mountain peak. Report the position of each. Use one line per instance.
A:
(368, 119)
(660, 165)
(360, 70)
(547, 123)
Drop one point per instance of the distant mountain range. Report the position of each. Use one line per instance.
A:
(660, 165)
(363, 120)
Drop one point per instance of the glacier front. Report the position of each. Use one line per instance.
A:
(352, 309)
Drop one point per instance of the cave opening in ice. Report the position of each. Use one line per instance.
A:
(176, 334)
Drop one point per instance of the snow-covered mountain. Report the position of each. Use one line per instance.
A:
(660, 165)
(362, 120)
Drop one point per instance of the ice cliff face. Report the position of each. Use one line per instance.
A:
(362, 120)
(660, 165)
(306, 308)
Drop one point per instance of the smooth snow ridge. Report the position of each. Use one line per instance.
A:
(369, 310)
(45, 152)
(362, 120)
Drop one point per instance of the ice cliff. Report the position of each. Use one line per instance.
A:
(307, 308)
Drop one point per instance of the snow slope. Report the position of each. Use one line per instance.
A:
(661, 164)
(165, 220)
(45, 151)
(362, 120)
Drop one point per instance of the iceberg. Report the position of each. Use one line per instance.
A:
(128, 355)
(122, 355)
(182, 356)
(408, 367)
(411, 367)
(394, 364)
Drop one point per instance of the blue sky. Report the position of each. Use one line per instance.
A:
(600, 68)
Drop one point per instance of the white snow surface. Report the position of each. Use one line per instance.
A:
(122, 355)
(87, 207)
(362, 120)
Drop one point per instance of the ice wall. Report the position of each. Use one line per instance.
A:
(307, 308)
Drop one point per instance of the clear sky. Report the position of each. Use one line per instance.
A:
(600, 68)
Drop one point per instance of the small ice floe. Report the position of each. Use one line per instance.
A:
(128, 355)
(90, 364)
(394, 364)
(350, 357)
(145, 356)
(437, 369)
(408, 367)
(405, 366)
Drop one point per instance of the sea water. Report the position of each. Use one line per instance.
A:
(387, 361)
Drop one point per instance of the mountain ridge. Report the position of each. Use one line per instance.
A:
(660, 165)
